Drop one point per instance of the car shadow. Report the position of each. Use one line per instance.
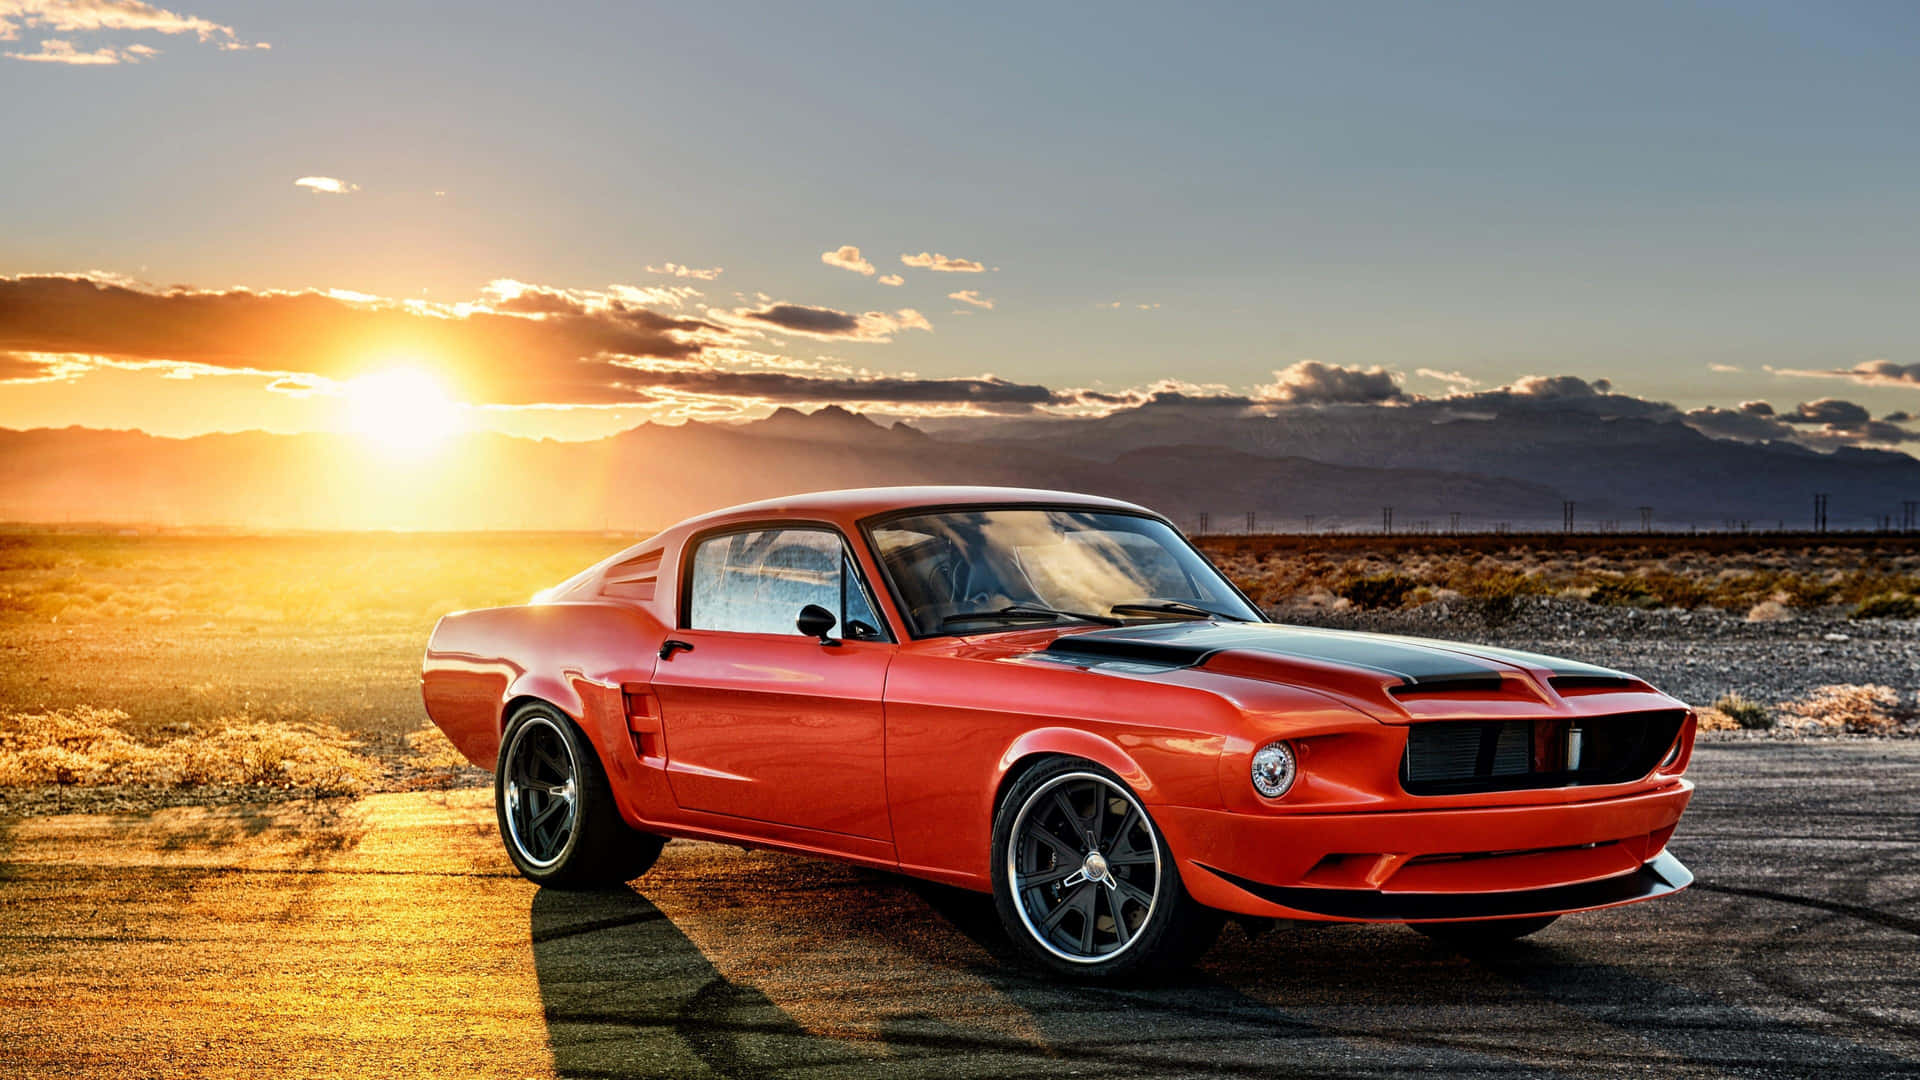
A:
(911, 978)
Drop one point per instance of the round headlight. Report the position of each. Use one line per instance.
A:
(1273, 769)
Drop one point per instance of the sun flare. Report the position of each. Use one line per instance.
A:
(403, 412)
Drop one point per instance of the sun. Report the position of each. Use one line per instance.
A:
(403, 412)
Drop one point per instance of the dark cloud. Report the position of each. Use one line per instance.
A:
(806, 320)
(1560, 393)
(1174, 398)
(1311, 382)
(1831, 411)
(1756, 408)
(1740, 423)
(783, 386)
(491, 356)
(827, 324)
(1900, 417)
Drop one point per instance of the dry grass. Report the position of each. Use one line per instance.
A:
(1849, 708)
(88, 746)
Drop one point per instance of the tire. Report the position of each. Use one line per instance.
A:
(1134, 918)
(556, 812)
(1479, 933)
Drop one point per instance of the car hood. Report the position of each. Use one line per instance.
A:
(1379, 667)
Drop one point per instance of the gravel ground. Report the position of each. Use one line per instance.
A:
(1694, 655)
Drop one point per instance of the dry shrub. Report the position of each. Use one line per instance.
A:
(1744, 712)
(1888, 606)
(1860, 709)
(1712, 719)
(87, 746)
(1769, 611)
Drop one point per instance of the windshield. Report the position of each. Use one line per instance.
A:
(971, 570)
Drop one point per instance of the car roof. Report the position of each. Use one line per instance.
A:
(854, 503)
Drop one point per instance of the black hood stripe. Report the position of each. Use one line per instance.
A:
(1413, 661)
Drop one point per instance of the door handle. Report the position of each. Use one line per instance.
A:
(668, 646)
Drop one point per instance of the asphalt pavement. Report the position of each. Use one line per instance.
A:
(388, 936)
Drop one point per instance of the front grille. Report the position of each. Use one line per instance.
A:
(1462, 756)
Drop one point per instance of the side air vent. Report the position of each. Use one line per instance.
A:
(633, 579)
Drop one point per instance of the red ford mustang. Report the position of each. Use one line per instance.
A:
(1057, 699)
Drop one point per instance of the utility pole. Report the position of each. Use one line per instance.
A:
(1646, 519)
(1453, 522)
(1909, 513)
(1250, 514)
(1309, 524)
(1566, 516)
(1386, 520)
(1819, 512)
(1202, 531)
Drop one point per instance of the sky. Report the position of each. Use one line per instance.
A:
(567, 219)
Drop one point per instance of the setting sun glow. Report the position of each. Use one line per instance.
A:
(403, 412)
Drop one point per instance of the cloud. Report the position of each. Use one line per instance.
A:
(1457, 379)
(826, 324)
(1311, 382)
(943, 263)
(1826, 423)
(490, 354)
(56, 51)
(847, 258)
(1736, 424)
(985, 391)
(891, 279)
(326, 185)
(92, 16)
(33, 367)
(1831, 411)
(1885, 373)
(973, 297)
(1870, 373)
(1724, 369)
(676, 270)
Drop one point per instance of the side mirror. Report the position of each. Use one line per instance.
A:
(815, 621)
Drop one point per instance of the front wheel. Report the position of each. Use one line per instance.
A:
(556, 810)
(1084, 882)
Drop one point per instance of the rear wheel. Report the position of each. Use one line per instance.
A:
(1480, 932)
(556, 810)
(1084, 882)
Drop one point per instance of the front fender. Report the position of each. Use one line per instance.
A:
(1069, 742)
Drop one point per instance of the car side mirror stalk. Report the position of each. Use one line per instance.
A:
(815, 621)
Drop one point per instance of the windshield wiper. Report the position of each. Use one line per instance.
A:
(1175, 607)
(1028, 611)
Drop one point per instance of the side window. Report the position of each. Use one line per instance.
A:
(757, 582)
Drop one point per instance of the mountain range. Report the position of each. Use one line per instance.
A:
(1341, 466)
